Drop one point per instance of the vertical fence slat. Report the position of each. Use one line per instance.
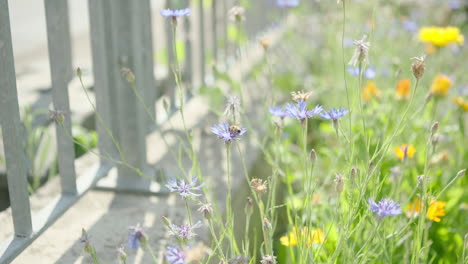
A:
(188, 66)
(201, 36)
(99, 45)
(132, 136)
(11, 130)
(225, 25)
(56, 19)
(169, 89)
(148, 81)
(214, 29)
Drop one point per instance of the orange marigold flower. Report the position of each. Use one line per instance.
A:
(462, 103)
(436, 210)
(441, 85)
(404, 151)
(315, 236)
(369, 91)
(414, 209)
(403, 89)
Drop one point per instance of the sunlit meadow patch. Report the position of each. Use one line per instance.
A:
(361, 166)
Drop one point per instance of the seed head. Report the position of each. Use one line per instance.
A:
(259, 186)
(128, 74)
(206, 209)
(267, 259)
(361, 53)
(418, 66)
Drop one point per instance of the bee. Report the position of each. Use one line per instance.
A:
(235, 129)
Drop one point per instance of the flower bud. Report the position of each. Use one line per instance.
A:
(128, 74)
(78, 72)
(248, 206)
(267, 225)
(419, 66)
(434, 128)
(313, 155)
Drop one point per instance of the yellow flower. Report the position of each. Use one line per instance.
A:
(462, 103)
(441, 36)
(370, 90)
(414, 208)
(315, 236)
(403, 89)
(441, 85)
(404, 151)
(436, 210)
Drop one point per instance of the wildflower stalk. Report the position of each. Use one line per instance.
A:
(229, 216)
(150, 251)
(344, 70)
(215, 237)
(189, 213)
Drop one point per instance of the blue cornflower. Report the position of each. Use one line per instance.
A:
(369, 73)
(175, 255)
(334, 113)
(287, 3)
(300, 112)
(185, 189)
(278, 111)
(455, 4)
(410, 25)
(184, 232)
(135, 237)
(228, 133)
(386, 207)
(175, 13)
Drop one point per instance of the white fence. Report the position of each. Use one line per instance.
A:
(120, 32)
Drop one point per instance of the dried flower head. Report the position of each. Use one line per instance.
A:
(57, 115)
(267, 259)
(300, 96)
(419, 66)
(339, 182)
(361, 53)
(206, 209)
(128, 74)
(259, 186)
(233, 109)
(237, 13)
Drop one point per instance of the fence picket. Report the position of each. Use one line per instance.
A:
(57, 22)
(13, 140)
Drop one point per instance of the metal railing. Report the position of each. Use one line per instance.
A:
(120, 32)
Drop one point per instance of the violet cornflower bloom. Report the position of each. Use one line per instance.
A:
(334, 113)
(175, 255)
(386, 207)
(175, 13)
(135, 237)
(300, 112)
(228, 133)
(287, 3)
(184, 232)
(278, 111)
(369, 73)
(185, 189)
